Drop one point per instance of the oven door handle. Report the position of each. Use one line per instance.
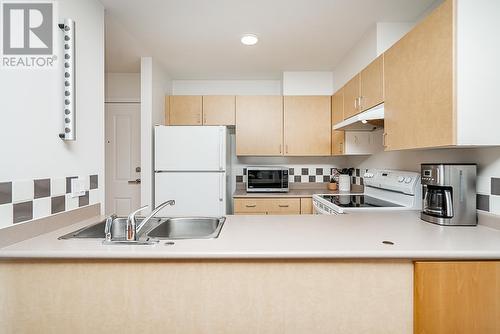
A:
(320, 211)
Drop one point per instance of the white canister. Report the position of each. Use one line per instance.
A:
(344, 183)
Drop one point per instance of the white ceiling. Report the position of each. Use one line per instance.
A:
(199, 39)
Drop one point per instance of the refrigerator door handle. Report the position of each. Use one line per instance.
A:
(221, 187)
(221, 148)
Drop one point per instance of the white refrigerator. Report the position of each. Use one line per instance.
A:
(192, 167)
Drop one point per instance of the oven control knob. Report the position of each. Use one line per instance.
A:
(401, 179)
(407, 179)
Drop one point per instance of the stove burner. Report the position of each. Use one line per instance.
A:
(358, 201)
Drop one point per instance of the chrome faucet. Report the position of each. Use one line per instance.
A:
(133, 230)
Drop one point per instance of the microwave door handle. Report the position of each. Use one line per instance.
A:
(449, 203)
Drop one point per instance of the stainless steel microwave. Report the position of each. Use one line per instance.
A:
(267, 179)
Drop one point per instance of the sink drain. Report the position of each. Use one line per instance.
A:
(387, 242)
(169, 243)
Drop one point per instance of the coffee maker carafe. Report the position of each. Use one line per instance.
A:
(449, 194)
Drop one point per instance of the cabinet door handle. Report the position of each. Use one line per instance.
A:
(356, 103)
(251, 206)
(360, 103)
(204, 118)
(280, 148)
(283, 205)
(286, 148)
(384, 139)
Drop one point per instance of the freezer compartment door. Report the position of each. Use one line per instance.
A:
(190, 148)
(195, 193)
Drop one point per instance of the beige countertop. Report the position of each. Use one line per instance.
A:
(242, 193)
(305, 190)
(349, 236)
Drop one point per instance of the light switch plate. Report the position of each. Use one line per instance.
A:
(77, 187)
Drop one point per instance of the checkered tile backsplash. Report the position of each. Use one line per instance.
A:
(305, 174)
(25, 200)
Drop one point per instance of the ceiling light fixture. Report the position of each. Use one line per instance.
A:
(249, 39)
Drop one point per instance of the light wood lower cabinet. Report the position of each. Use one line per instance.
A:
(306, 206)
(272, 206)
(457, 297)
(307, 125)
(259, 125)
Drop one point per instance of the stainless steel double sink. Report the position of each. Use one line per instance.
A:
(158, 228)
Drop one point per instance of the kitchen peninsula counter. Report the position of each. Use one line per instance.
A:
(370, 235)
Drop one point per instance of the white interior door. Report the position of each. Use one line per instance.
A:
(195, 193)
(123, 154)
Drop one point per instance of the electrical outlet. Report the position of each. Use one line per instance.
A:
(77, 187)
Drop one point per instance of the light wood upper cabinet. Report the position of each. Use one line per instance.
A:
(219, 110)
(307, 125)
(457, 297)
(352, 92)
(365, 90)
(372, 84)
(337, 117)
(338, 142)
(259, 125)
(419, 102)
(185, 110)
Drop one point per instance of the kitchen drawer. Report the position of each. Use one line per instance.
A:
(268, 205)
(283, 206)
(250, 205)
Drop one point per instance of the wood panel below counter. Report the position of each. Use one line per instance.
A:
(457, 297)
(241, 296)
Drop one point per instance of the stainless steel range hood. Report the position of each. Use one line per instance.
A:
(368, 120)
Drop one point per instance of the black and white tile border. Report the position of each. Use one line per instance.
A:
(488, 199)
(24, 200)
(305, 174)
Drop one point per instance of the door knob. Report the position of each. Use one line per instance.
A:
(136, 181)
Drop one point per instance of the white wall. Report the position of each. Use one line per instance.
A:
(307, 83)
(123, 87)
(226, 87)
(374, 42)
(31, 112)
(356, 59)
(389, 33)
(478, 72)
(155, 84)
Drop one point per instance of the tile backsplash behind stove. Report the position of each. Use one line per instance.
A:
(305, 174)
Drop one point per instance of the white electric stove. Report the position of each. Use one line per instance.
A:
(384, 190)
